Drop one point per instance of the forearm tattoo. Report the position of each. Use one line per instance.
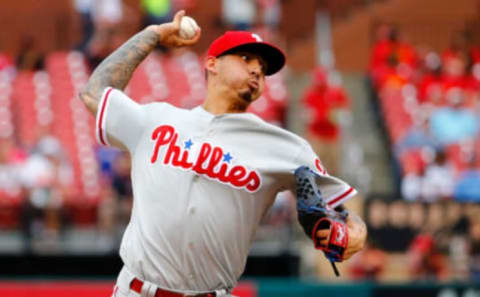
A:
(117, 69)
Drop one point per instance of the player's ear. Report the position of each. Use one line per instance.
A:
(211, 64)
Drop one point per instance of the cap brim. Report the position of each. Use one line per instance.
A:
(272, 55)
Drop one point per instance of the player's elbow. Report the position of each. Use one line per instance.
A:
(90, 102)
(84, 95)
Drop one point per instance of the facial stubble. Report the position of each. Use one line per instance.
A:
(247, 96)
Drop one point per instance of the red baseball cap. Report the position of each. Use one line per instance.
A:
(249, 42)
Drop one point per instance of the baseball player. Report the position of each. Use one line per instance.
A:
(203, 178)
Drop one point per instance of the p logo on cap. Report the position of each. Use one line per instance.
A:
(257, 37)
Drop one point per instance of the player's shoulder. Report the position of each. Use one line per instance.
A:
(265, 127)
(155, 107)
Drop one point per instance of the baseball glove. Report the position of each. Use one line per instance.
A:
(314, 214)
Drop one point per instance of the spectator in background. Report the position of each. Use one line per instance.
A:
(456, 50)
(377, 222)
(106, 158)
(426, 262)
(122, 187)
(29, 56)
(156, 11)
(107, 17)
(458, 242)
(435, 223)
(239, 14)
(439, 179)
(417, 137)
(84, 8)
(107, 222)
(454, 123)
(12, 196)
(393, 58)
(270, 12)
(467, 188)
(474, 234)
(425, 256)
(416, 216)
(411, 186)
(369, 264)
(324, 101)
(385, 36)
(48, 178)
(474, 54)
(454, 75)
(474, 82)
(11, 190)
(400, 233)
(161, 11)
(430, 83)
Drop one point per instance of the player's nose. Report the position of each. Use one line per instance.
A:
(256, 69)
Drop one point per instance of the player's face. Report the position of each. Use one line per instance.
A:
(244, 74)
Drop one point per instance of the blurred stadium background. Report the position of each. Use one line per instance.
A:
(387, 92)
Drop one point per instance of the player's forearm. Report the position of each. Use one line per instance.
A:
(117, 69)
(356, 223)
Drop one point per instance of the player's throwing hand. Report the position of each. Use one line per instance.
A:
(169, 33)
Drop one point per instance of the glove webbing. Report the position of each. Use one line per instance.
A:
(314, 215)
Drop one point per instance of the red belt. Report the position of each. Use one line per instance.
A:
(136, 285)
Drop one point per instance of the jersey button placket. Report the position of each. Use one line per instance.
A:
(211, 130)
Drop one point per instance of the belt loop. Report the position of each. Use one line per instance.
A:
(145, 289)
(148, 289)
(221, 293)
(152, 290)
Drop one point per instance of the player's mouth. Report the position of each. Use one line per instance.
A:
(253, 85)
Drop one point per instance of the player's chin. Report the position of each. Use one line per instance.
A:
(246, 96)
(250, 95)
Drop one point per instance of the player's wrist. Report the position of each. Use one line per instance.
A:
(156, 31)
(162, 31)
(152, 28)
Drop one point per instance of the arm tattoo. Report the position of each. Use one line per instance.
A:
(117, 69)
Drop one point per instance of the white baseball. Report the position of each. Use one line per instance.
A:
(188, 27)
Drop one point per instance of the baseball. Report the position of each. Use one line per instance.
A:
(188, 27)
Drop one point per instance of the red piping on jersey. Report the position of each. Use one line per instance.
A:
(319, 166)
(100, 119)
(341, 196)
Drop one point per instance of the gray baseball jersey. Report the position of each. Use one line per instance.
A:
(201, 184)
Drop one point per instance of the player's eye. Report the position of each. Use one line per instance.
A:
(246, 58)
(264, 68)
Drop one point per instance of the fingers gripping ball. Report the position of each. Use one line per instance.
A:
(314, 214)
(188, 27)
